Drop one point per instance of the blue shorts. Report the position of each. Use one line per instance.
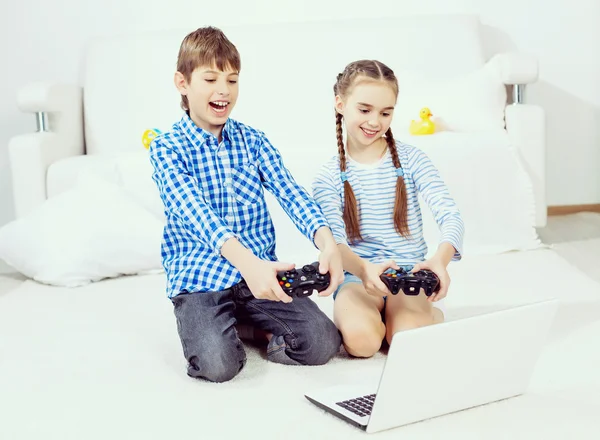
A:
(348, 278)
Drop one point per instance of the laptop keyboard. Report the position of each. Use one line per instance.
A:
(361, 406)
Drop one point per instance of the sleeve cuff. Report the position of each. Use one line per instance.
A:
(459, 252)
(219, 237)
(313, 227)
(340, 240)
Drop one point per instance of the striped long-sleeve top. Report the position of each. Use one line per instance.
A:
(374, 187)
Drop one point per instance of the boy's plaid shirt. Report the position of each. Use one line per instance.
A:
(212, 192)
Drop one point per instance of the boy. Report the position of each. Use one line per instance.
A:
(210, 171)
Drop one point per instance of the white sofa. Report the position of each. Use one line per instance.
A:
(490, 152)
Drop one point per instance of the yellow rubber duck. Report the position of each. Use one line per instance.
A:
(424, 126)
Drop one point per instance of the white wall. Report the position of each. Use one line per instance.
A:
(42, 40)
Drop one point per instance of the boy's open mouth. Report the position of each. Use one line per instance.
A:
(219, 106)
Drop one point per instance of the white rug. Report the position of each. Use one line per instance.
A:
(105, 362)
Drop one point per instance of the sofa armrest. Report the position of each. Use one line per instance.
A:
(61, 103)
(526, 128)
(59, 111)
(27, 155)
(516, 68)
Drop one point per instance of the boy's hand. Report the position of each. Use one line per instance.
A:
(330, 261)
(370, 277)
(261, 278)
(437, 266)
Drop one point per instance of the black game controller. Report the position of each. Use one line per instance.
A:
(411, 283)
(297, 283)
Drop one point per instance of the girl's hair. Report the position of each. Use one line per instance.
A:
(370, 70)
(207, 46)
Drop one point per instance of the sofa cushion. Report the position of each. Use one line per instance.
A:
(62, 175)
(131, 171)
(472, 102)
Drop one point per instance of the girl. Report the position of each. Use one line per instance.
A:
(369, 194)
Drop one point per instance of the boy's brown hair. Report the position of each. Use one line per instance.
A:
(372, 70)
(207, 46)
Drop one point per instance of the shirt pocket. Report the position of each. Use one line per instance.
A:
(246, 184)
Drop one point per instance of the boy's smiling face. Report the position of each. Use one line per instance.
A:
(211, 94)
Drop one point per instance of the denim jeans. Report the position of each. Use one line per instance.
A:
(302, 333)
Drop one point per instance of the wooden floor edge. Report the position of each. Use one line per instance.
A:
(573, 209)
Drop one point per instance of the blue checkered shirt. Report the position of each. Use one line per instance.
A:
(212, 192)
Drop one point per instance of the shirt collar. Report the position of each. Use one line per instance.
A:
(198, 136)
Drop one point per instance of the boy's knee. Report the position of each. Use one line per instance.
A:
(219, 365)
(320, 343)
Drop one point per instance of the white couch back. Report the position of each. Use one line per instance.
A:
(288, 71)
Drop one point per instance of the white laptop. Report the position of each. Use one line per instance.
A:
(443, 368)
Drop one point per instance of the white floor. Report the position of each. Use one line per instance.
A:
(576, 238)
(104, 361)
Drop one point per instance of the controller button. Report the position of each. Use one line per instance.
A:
(302, 278)
(290, 280)
(288, 285)
(283, 278)
(281, 283)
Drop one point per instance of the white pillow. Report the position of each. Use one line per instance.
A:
(135, 177)
(90, 232)
(467, 103)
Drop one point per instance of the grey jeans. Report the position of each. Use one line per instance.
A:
(302, 333)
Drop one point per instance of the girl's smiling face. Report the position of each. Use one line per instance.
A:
(367, 111)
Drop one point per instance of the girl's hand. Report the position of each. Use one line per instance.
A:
(370, 277)
(437, 266)
(330, 260)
